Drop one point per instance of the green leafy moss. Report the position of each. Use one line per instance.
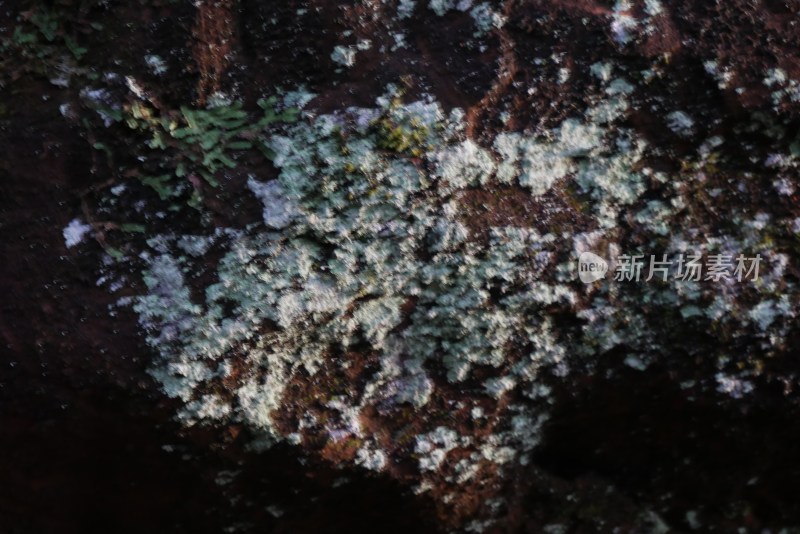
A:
(199, 142)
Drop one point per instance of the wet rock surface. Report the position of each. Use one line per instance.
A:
(685, 421)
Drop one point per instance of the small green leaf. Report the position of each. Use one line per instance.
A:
(232, 113)
(232, 124)
(267, 104)
(22, 38)
(196, 201)
(210, 139)
(240, 145)
(114, 114)
(180, 133)
(210, 158)
(160, 184)
(77, 51)
(289, 115)
(115, 253)
(267, 151)
(132, 228)
(191, 118)
(157, 141)
(228, 162)
(209, 178)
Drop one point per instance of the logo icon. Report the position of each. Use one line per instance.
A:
(591, 267)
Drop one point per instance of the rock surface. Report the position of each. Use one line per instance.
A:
(355, 305)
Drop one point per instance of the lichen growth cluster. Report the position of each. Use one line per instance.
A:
(366, 249)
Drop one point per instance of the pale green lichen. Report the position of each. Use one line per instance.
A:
(440, 7)
(352, 224)
(344, 55)
(405, 8)
(365, 247)
(681, 123)
(486, 18)
(345, 224)
(465, 165)
(432, 448)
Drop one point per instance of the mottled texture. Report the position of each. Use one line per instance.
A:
(386, 291)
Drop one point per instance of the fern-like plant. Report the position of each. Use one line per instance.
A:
(201, 142)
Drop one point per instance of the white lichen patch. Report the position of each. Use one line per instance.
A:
(723, 76)
(440, 7)
(680, 123)
(432, 448)
(785, 87)
(486, 18)
(405, 8)
(465, 165)
(345, 226)
(75, 232)
(602, 71)
(157, 64)
(653, 7)
(369, 251)
(622, 22)
(374, 460)
(399, 41)
(334, 265)
(344, 55)
(279, 209)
